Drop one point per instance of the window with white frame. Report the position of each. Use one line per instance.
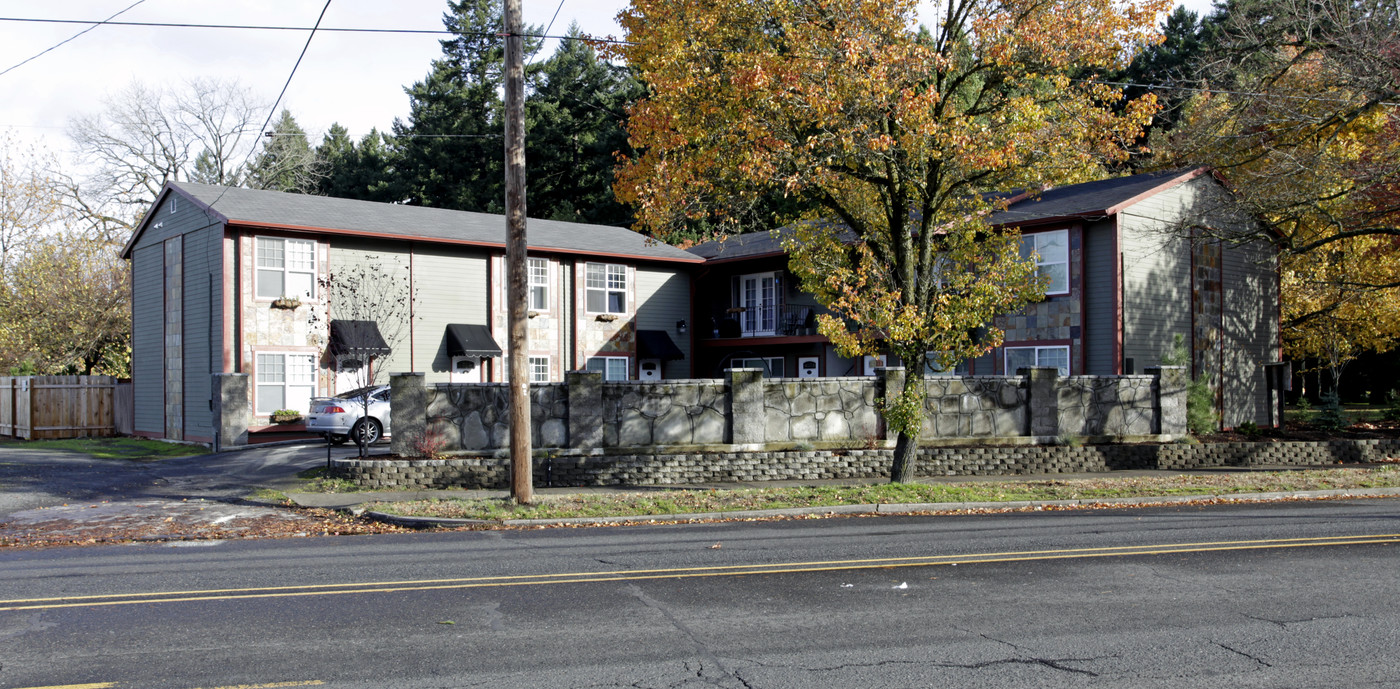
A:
(286, 268)
(605, 287)
(539, 369)
(772, 365)
(1050, 251)
(539, 284)
(612, 367)
(286, 380)
(931, 367)
(1027, 357)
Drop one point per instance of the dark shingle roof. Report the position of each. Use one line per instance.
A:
(1076, 200)
(1089, 198)
(278, 209)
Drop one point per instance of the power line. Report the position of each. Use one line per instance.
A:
(273, 110)
(324, 29)
(60, 43)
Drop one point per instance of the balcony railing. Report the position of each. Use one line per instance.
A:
(765, 321)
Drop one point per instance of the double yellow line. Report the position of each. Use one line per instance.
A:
(678, 573)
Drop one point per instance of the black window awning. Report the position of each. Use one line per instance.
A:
(656, 344)
(357, 338)
(466, 339)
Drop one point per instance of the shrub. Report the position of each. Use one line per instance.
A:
(1330, 416)
(1392, 406)
(1200, 399)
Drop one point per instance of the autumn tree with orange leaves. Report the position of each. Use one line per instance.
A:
(890, 136)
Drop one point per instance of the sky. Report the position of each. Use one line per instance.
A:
(354, 79)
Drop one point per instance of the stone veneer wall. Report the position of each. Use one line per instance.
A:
(712, 467)
(477, 416)
(751, 413)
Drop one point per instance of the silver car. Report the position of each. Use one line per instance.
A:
(344, 417)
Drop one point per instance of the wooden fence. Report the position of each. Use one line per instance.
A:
(35, 407)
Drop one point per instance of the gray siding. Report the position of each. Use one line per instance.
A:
(392, 259)
(148, 337)
(165, 223)
(450, 287)
(1251, 330)
(176, 216)
(663, 297)
(1156, 273)
(203, 326)
(1099, 329)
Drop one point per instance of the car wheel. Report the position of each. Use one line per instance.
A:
(367, 431)
(338, 439)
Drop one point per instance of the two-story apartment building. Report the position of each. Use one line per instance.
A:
(1131, 262)
(226, 280)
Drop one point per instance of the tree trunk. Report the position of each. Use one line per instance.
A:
(905, 457)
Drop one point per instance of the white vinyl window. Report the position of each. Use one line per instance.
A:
(772, 365)
(285, 381)
(931, 367)
(612, 367)
(605, 288)
(1026, 357)
(539, 369)
(1050, 251)
(286, 268)
(539, 284)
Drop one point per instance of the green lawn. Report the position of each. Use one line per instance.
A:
(114, 448)
(666, 502)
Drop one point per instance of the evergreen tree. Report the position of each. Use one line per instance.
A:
(351, 171)
(285, 162)
(576, 118)
(1171, 64)
(449, 152)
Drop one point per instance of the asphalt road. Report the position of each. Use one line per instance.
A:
(1275, 595)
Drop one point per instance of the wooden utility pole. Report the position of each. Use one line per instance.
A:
(521, 484)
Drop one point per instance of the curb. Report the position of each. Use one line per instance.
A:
(900, 508)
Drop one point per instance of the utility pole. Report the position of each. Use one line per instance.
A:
(521, 483)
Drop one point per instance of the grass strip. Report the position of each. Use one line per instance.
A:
(116, 448)
(681, 501)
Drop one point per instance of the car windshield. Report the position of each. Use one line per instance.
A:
(357, 393)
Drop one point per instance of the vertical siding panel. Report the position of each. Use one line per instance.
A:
(1099, 328)
(148, 338)
(1156, 274)
(450, 288)
(392, 257)
(663, 297)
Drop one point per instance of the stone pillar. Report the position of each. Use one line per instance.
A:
(748, 423)
(231, 410)
(1169, 409)
(1044, 400)
(891, 384)
(408, 412)
(585, 393)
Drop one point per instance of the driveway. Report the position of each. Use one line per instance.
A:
(51, 496)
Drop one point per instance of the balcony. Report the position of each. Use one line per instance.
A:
(792, 320)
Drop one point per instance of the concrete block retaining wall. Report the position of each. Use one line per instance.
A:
(648, 469)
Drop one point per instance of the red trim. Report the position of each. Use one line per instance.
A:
(230, 288)
(749, 257)
(411, 300)
(757, 341)
(1117, 365)
(1173, 182)
(1083, 282)
(456, 242)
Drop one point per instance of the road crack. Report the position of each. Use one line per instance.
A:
(695, 639)
(1242, 653)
